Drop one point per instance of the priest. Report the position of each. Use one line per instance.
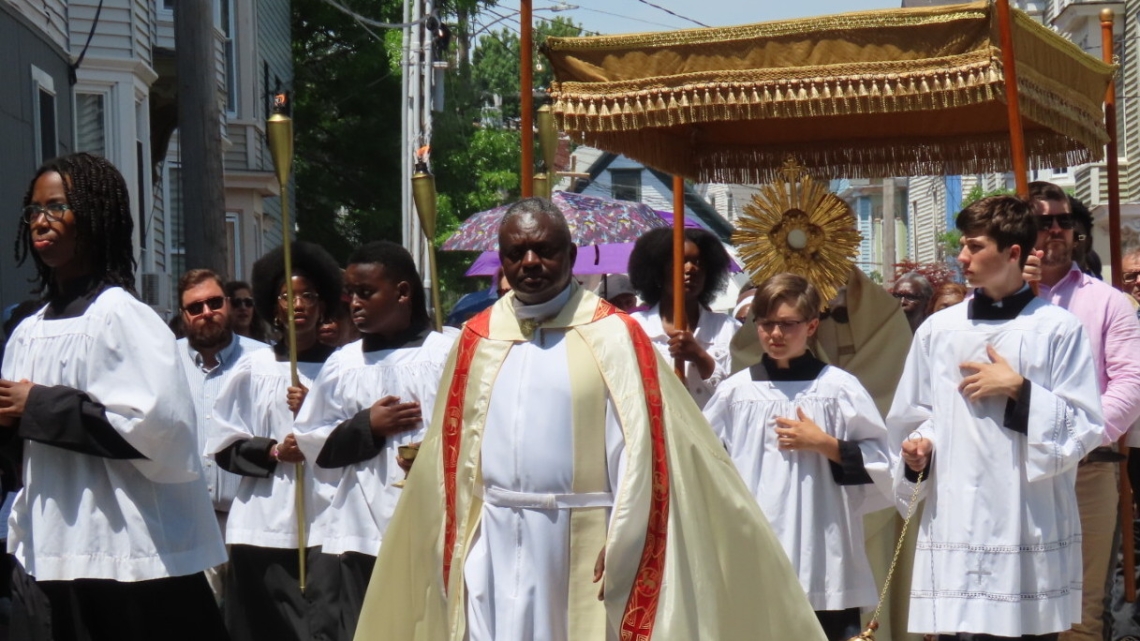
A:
(568, 487)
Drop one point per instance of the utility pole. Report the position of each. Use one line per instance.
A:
(417, 78)
(200, 138)
(888, 229)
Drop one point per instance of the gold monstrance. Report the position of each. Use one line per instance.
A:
(797, 225)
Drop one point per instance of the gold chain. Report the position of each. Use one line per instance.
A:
(873, 625)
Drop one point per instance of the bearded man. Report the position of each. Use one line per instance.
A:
(565, 456)
(1110, 324)
(208, 353)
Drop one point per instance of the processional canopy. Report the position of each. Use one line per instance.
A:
(915, 91)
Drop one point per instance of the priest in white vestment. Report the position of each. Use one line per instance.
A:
(559, 463)
(997, 404)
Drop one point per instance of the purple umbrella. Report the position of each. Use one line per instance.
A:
(606, 258)
(592, 220)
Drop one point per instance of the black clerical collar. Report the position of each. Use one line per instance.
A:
(837, 314)
(73, 297)
(414, 336)
(801, 368)
(983, 307)
(318, 353)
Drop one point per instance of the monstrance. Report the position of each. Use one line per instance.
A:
(797, 225)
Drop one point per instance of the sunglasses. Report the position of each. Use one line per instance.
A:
(906, 296)
(239, 303)
(1064, 221)
(197, 307)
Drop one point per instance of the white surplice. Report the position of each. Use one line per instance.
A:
(714, 332)
(999, 545)
(251, 405)
(518, 571)
(80, 516)
(351, 381)
(818, 522)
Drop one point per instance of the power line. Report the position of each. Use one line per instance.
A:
(369, 21)
(672, 13)
(618, 15)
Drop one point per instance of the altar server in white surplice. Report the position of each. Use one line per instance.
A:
(370, 398)
(811, 447)
(704, 346)
(998, 403)
(113, 526)
(253, 437)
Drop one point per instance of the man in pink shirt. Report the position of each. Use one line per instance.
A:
(1114, 336)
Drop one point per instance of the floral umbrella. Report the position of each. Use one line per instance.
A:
(592, 220)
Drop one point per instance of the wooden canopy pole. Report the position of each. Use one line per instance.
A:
(1128, 551)
(680, 317)
(526, 97)
(1012, 102)
(1107, 17)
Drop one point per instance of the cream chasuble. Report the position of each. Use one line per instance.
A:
(688, 553)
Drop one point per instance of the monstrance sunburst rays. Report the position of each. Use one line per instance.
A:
(796, 225)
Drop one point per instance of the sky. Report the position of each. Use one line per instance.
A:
(627, 16)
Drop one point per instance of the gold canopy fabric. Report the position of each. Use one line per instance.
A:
(876, 93)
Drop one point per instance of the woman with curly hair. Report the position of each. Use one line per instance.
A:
(113, 521)
(704, 346)
(254, 438)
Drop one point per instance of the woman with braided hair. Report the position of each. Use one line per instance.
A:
(253, 416)
(113, 526)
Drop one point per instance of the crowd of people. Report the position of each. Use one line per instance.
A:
(311, 459)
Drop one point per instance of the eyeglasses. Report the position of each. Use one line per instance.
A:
(52, 211)
(906, 296)
(197, 307)
(1064, 221)
(238, 303)
(1129, 278)
(305, 299)
(784, 325)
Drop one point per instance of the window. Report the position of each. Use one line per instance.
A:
(43, 92)
(626, 184)
(225, 21)
(233, 243)
(91, 123)
(176, 243)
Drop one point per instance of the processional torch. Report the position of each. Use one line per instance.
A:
(279, 131)
(548, 145)
(423, 193)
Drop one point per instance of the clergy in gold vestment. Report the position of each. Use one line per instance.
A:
(562, 434)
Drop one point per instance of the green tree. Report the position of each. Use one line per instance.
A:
(347, 113)
(496, 61)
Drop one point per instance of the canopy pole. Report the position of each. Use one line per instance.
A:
(1012, 102)
(1107, 18)
(526, 98)
(680, 318)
